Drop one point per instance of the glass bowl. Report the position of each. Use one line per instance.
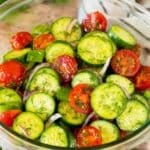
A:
(16, 15)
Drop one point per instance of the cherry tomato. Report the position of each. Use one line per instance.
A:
(11, 73)
(94, 21)
(125, 62)
(20, 40)
(142, 79)
(79, 98)
(42, 41)
(66, 66)
(89, 136)
(8, 117)
(137, 49)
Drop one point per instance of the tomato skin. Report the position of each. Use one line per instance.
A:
(89, 136)
(42, 41)
(142, 79)
(79, 98)
(20, 40)
(125, 62)
(8, 116)
(123, 134)
(11, 73)
(94, 21)
(66, 66)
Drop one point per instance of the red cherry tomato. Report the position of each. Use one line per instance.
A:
(66, 66)
(125, 62)
(42, 41)
(142, 79)
(94, 21)
(11, 73)
(20, 40)
(79, 98)
(8, 117)
(89, 136)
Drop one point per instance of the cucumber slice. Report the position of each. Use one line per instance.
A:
(42, 104)
(109, 131)
(69, 115)
(40, 29)
(55, 135)
(66, 29)
(121, 37)
(87, 77)
(9, 106)
(141, 99)
(48, 70)
(122, 82)
(35, 56)
(94, 50)
(8, 96)
(19, 55)
(147, 94)
(57, 49)
(133, 117)
(44, 82)
(63, 93)
(29, 125)
(105, 36)
(108, 100)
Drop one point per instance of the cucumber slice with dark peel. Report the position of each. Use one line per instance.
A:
(147, 94)
(18, 55)
(66, 29)
(44, 82)
(122, 81)
(133, 117)
(55, 135)
(29, 125)
(103, 35)
(87, 77)
(42, 104)
(9, 95)
(108, 100)
(57, 49)
(94, 50)
(142, 99)
(109, 131)
(69, 115)
(121, 37)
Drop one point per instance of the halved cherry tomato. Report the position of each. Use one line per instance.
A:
(11, 73)
(89, 136)
(79, 98)
(42, 41)
(137, 49)
(94, 21)
(20, 40)
(142, 79)
(66, 66)
(8, 117)
(125, 62)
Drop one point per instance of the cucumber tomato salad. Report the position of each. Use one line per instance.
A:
(74, 85)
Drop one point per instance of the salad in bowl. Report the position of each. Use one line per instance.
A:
(75, 85)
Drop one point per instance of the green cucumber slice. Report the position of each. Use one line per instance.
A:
(122, 82)
(57, 49)
(55, 135)
(109, 131)
(42, 104)
(133, 117)
(87, 77)
(66, 29)
(121, 37)
(108, 100)
(94, 50)
(69, 115)
(29, 125)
